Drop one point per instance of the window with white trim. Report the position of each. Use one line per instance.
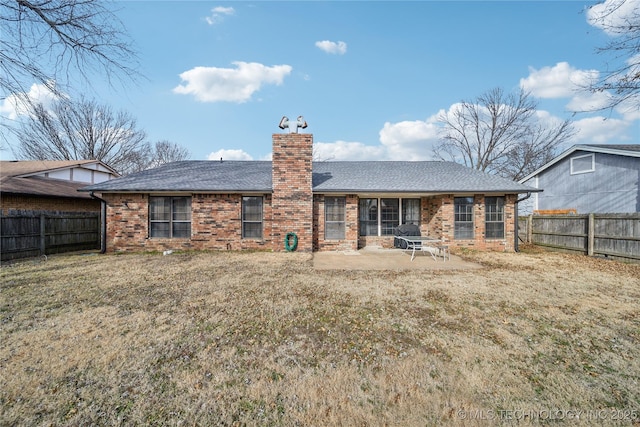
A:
(389, 216)
(334, 218)
(494, 217)
(583, 164)
(368, 217)
(463, 217)
(411, 211)
(170, 217)
(381, 216)
(252, 217)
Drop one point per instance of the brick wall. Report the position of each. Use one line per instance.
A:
(62, 204)
(350, 242)
(438, 220)
(292, 201)
(216, 224)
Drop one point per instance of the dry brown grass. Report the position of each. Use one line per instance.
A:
(263, 339)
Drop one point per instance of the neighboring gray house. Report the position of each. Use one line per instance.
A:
(588, 178)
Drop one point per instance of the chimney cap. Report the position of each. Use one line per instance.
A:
(292, 125)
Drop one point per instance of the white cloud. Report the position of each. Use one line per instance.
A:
(560, 81)
(343, 150)
(13, 105)
(229, 155)
(410, 140)
(339, 48)
(589, 101)
(405, 140)
(212, 84)
(614, 16)
(600, 130)
(546, 119)
(218, 13)
(629, 108)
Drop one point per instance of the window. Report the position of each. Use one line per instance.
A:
(170, 217)
(494, 217)
(368, 217)
(411, 211)
(252, 217)
(385, 214)
(583, 164)
(463, 217)
(334, 218)
(389, 216)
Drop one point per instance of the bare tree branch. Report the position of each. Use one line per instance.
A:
(620, 19)
(499, 133)
(84, 130)
(79, 131)
(166, 152)
(55, 42)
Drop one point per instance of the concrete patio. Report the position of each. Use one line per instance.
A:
(377, 258)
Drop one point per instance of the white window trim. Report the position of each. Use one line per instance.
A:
(473, 218)
(343, 221)
(171, 221)
(400, 199)
(593, 164)
(243, 221)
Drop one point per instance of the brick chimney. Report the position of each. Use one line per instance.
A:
(292, 199)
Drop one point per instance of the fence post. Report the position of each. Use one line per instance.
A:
(591, 231)
(42, 235)
(530, 229)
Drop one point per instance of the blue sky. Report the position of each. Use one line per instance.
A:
(370, 78)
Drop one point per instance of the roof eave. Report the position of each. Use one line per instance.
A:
(579, 147)
(174, 190)
(430, 192)
(71, 165)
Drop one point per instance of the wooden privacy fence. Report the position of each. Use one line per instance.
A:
(32, 233)
(609, 235)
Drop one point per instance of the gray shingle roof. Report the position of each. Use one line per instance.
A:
(195, 176)
(407, 177)
(328, 177)
(623, 147)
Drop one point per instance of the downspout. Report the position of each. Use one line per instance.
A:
(103, 222)
(516, 244)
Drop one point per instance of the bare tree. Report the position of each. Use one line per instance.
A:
(52, 41)
(499, 133)
(620, 19)
(166, 152)
(83, 130)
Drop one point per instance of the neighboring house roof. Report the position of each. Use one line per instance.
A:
(328, 177)
(27, 177)
(29, 167)
(630, 150)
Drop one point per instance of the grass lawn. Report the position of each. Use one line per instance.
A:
(264, 339)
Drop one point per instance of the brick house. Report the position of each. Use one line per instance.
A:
(222, 205)
(50, 185)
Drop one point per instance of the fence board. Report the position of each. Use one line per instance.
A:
(613, 235)
(32, 233)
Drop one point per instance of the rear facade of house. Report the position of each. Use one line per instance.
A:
(236, 205)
